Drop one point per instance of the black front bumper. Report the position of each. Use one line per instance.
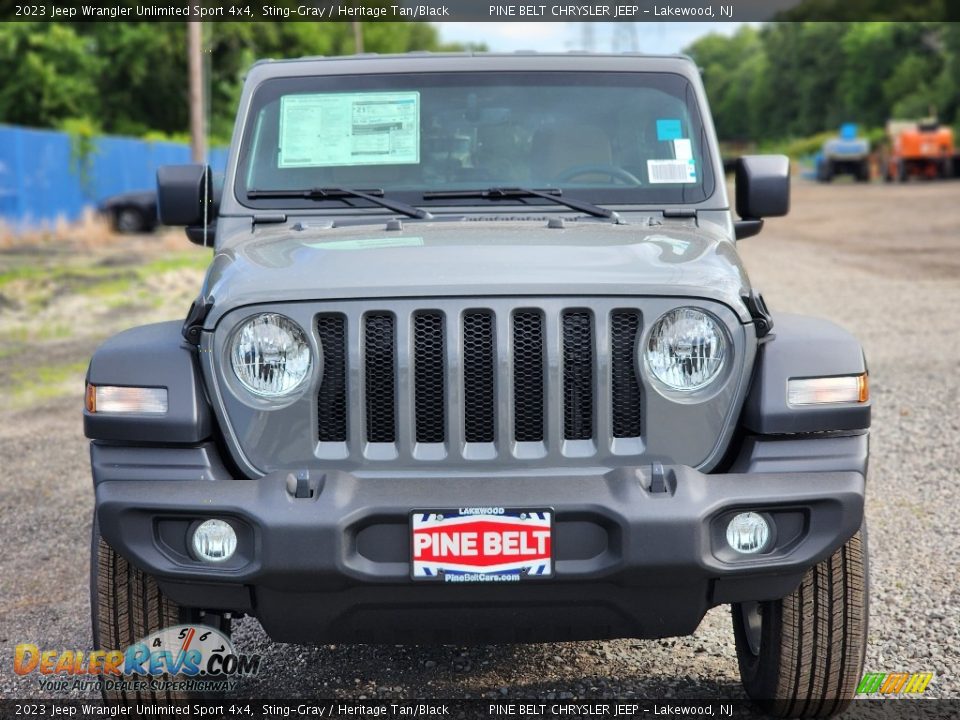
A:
(630, 561)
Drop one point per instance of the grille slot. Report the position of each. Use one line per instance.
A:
(625, 386)
(577, 375)
(479, 368)
(428, 376)
(379, 382)
(332, 398)
(528, 376)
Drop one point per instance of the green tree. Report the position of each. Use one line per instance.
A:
(799, 79)
(131, 77)
(730, 67)
(871, 53)
(49, 74)
(141, 81)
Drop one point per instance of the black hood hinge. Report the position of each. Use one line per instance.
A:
(193, 325)
(762, 319)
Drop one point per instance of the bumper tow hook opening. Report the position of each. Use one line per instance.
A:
(658, 478)
(654, 480)
(302, 487)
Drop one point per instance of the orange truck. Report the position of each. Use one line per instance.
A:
(919, 149)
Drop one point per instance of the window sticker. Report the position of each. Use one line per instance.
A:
(344, 129)
(669, 129)
(671, 171)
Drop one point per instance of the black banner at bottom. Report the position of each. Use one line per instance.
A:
(489, 709)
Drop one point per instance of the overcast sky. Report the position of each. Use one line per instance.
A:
(650, 37)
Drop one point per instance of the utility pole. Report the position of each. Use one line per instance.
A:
(198, 134)
(357, 37)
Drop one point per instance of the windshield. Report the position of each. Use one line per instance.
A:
(621, 138)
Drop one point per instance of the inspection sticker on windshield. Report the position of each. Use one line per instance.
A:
(671, 171)
(669, 129)
(341, 129)
(481, 544)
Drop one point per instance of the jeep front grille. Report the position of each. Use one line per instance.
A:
(478, 383)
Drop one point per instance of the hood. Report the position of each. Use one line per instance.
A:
(475, 258)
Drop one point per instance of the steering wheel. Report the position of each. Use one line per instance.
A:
(612, 171)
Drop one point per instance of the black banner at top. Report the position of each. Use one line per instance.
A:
(476, 10)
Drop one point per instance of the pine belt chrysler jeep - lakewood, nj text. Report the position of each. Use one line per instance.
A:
(476, 360)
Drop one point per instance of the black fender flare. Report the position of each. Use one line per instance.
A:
(151, 356)
(803, 347)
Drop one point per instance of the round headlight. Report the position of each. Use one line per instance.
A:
(686, 349)
(270, 355)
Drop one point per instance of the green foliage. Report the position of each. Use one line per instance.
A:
(132, 76)
(802, 79)
(158, 136)
(48, 73)
(83, 146)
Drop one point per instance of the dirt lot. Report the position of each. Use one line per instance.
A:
(884, 261)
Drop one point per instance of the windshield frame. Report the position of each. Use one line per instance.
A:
(672, 195)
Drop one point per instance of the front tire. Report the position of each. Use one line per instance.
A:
(802, 655)
(126, 605)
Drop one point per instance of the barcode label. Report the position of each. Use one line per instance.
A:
(671, 171)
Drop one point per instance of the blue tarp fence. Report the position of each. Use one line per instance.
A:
(41, 181)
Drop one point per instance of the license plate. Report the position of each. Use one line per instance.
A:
(481, 544)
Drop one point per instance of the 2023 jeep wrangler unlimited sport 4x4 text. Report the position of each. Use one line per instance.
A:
(476, 360)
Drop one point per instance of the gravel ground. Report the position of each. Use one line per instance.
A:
(884, 261)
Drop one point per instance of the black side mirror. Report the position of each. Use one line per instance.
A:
(185, 198)
(763, 190)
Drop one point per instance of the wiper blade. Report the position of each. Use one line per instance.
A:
(506, 193)
(374, 195)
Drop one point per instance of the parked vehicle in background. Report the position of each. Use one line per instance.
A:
(131, 212)
(846, 154)
(919, 149)
(476, 360)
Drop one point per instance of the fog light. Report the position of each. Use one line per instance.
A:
(748, 533)
(214, 541)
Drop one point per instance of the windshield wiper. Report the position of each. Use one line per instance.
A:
(506, 193)
(374, 195)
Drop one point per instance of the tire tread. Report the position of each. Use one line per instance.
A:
(813, 665)
(129, 606)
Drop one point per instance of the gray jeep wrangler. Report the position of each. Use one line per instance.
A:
(476, 360)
